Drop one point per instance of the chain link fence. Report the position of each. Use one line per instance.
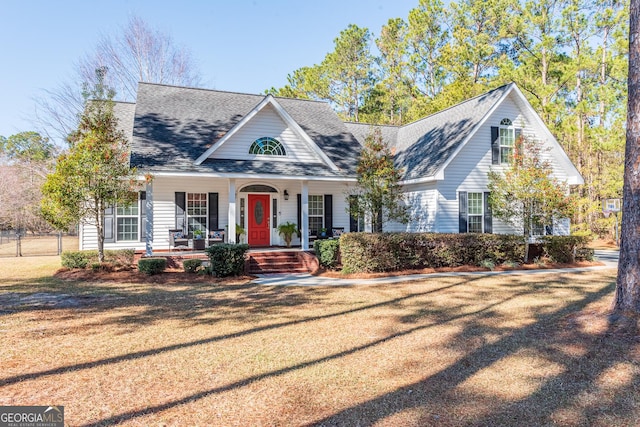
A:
(16, 244)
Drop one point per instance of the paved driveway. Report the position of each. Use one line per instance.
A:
(609, 257)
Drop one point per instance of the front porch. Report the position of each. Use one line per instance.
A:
(244, 210)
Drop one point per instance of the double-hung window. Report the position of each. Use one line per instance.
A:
(316, 213)
(197, 212)
(507, 141)
(475, 212)
(127, 222)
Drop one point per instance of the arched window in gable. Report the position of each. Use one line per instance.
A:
(267, 146)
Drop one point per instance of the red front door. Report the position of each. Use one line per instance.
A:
(259, 230)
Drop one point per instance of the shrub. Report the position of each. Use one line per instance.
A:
(119, 257)
(365, 252)
(567, 249)
(82, 259)
(78, 259)
(191, 265)
(327, 251)
(152, 266)
(227, 259)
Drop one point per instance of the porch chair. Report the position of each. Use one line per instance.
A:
(215, 237)
(336, 232)
(178, 238)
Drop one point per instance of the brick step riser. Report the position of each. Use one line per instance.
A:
(275, 259)
(268, 270)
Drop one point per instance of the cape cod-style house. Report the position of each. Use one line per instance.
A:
(219, 159)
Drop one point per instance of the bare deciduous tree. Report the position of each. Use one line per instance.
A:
(138, 53)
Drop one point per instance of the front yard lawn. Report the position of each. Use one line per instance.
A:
(509, 350)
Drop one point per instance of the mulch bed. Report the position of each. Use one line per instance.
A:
(176, 276)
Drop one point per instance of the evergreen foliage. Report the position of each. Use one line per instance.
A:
(569, 57)
(94, 173)
(379, 195)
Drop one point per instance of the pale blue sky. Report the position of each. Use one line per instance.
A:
(239, 45)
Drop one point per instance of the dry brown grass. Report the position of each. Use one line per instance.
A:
(511, 350)
(38, 245)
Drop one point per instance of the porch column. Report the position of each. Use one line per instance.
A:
(231, 238)
(304, 228)
(149, 225)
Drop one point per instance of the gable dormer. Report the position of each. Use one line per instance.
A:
(267, 133)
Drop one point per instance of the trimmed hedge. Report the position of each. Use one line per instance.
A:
(380, 252)
(82, 259)
(152, 266)
(191, 265)
(327, 251)
(227, 259)
(567, 249)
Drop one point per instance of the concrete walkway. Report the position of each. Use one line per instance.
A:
(609, 258)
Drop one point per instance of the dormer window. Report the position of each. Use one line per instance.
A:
(267, 146)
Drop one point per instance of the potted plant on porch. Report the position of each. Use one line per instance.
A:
(198, 241)
(286, 230)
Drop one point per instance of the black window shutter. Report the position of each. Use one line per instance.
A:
(109, 224)
(143, 216)
(328, 212)
(495, 146)
(213, 211)
(462, 211)
(180, 198)
(274, 215)
(353, 218)
(548, 229)
(299, 211)
(488, 217)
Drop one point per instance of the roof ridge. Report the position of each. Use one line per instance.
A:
(504, 86)
(372, 124)
(260, 95)
(200, 89)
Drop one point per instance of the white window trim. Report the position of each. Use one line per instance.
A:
(205, 215)
(512, 130)
(469, 214)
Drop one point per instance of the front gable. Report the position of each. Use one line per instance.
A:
(480, 152)
(268, 121)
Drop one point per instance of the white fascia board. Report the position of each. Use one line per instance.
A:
(265, 177)
(433, 178)
(574, 176)
(481, 123)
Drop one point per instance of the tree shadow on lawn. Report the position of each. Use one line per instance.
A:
(434, 394)
(310, 292)
(574, 396)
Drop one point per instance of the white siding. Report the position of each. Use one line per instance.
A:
(422, 201)
(468, 170)
(164, 189)
(267, 123)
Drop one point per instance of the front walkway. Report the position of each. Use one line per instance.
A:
(608, 258)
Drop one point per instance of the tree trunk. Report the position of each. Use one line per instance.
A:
(627, 296)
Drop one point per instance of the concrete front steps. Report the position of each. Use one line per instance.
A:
(281, 262)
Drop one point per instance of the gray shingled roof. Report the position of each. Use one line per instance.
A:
(125, 112)
(175, 125)
(424, 146)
